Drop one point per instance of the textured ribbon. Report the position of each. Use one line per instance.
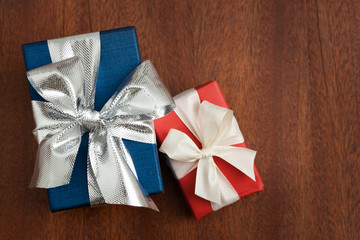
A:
(68, 114)
(216, 129)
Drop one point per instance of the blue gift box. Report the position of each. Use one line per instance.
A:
(119, 57)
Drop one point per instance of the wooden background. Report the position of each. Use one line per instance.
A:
(289, 70)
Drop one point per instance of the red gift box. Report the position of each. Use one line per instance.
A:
(242, 184)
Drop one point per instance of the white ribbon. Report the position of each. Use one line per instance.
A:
(216, 129)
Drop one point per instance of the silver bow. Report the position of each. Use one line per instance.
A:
(68, 114)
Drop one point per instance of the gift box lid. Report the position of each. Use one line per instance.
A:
(119, 57)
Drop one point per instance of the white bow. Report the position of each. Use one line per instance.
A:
(214, 127)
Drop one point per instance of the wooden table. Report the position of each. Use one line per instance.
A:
(289, 70)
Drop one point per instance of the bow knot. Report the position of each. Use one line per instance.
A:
(90, 119)
(206, 152)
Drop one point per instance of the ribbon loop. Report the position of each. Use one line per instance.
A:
(54, 82)
(214, 123)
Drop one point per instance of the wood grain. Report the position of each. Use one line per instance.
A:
(289, 70)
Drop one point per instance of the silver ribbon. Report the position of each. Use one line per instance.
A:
(69, 88)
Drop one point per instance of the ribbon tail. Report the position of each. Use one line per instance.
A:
(56, 158)
(116, 182)
(227, 192)
(241, 158)
(95, 195)
(207, 185)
